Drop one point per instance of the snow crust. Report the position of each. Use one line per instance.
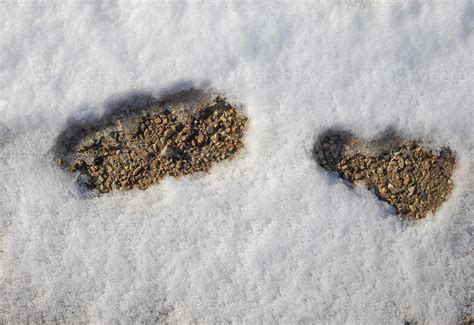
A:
(269, 237)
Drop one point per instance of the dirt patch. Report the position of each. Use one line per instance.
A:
(412, 178)
(135, 148)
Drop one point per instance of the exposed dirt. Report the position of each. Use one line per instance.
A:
(178, 136)
(412, 178)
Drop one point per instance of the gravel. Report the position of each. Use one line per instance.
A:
(412, 178)
(169, 137)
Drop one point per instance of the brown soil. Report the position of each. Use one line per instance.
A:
(412, 178)
(172, 137)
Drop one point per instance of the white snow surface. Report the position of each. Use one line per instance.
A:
(270, 237)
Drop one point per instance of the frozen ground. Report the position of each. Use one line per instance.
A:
(269, 237)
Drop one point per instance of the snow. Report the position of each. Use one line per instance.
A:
(270, 236)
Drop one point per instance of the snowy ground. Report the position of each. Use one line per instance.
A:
(269, 237)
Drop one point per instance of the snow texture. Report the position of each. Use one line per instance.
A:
(271, 236)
